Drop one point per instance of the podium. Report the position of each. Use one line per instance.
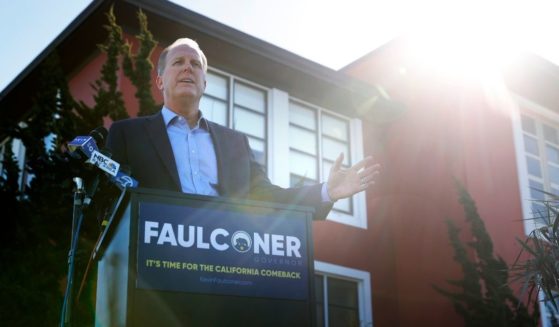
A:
(171, 259)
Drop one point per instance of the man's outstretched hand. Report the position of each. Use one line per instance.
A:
(343, 183)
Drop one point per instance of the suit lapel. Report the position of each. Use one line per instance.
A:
(158, 135)
(222, 171)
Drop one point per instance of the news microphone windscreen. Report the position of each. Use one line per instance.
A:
(100, 135)
(82, 146)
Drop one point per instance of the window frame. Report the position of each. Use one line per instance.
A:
(546, 310)
(230, 110)
(541, 114)
(19, 152)
(277, 144)
(363, 280)
(358, 217)
(537, 112)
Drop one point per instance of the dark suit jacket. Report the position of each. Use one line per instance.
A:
(142, 143)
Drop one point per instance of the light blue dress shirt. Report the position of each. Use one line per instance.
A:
(194, 153)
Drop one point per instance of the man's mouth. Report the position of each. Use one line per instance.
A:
(187, 80)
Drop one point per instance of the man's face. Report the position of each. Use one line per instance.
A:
(184, 76)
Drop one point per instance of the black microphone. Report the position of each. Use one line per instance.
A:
(99, 134)
(91, 189)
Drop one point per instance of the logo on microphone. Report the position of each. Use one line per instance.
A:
(125, 181)
(105, 163)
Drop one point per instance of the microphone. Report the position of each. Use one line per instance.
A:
(85, 147)
(94, 185)
(100, 135)
(123, 178)
(82, 147)
(117, 174)
(104, 162)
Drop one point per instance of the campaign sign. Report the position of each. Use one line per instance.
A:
(220, 251)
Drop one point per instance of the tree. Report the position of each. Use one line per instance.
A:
(537, 264)
(138, 67)
(483, 296)
(37, 212)
(9, 192)
(108, 98)
(39, 234)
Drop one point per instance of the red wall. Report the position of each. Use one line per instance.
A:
(452, 128)
(449, 130)
(80, 83)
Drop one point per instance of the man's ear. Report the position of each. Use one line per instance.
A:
(159, 82)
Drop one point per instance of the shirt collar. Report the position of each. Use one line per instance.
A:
(169, 116)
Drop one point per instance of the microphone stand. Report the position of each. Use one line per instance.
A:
(77, 217)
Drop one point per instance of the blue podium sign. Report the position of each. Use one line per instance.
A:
(219, 251)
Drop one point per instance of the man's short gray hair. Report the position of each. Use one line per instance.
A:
(191, 43)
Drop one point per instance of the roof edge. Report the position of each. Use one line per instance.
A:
(50, 47)
(249, 43)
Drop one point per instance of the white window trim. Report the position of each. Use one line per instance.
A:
(231, 79)
(525, 197)
(278, 121)
(363, 279)
(18, 150)
(277, 144)
(359, 217)
(531, 107)
(359, 201)
(544, 311)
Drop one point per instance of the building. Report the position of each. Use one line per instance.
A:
(494, 131)
(379, 254)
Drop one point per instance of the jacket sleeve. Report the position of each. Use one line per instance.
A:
(116, 143)
(262, 189)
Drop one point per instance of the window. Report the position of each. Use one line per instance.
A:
(342, 296)
(18, 150)
(3, 145)
(296, 141)
(541, 148)
(336, 301)
(316, 138)
(238, 104)
(537, 136)
(550, 313)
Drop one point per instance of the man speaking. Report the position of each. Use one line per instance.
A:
(178, 149)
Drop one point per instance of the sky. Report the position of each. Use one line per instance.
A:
(319, 29)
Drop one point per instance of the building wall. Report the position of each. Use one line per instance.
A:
(80, 81)
(335, 243)
(452, 129)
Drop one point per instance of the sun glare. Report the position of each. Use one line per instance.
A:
(471, 39)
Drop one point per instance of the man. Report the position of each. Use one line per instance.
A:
(178, 149)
